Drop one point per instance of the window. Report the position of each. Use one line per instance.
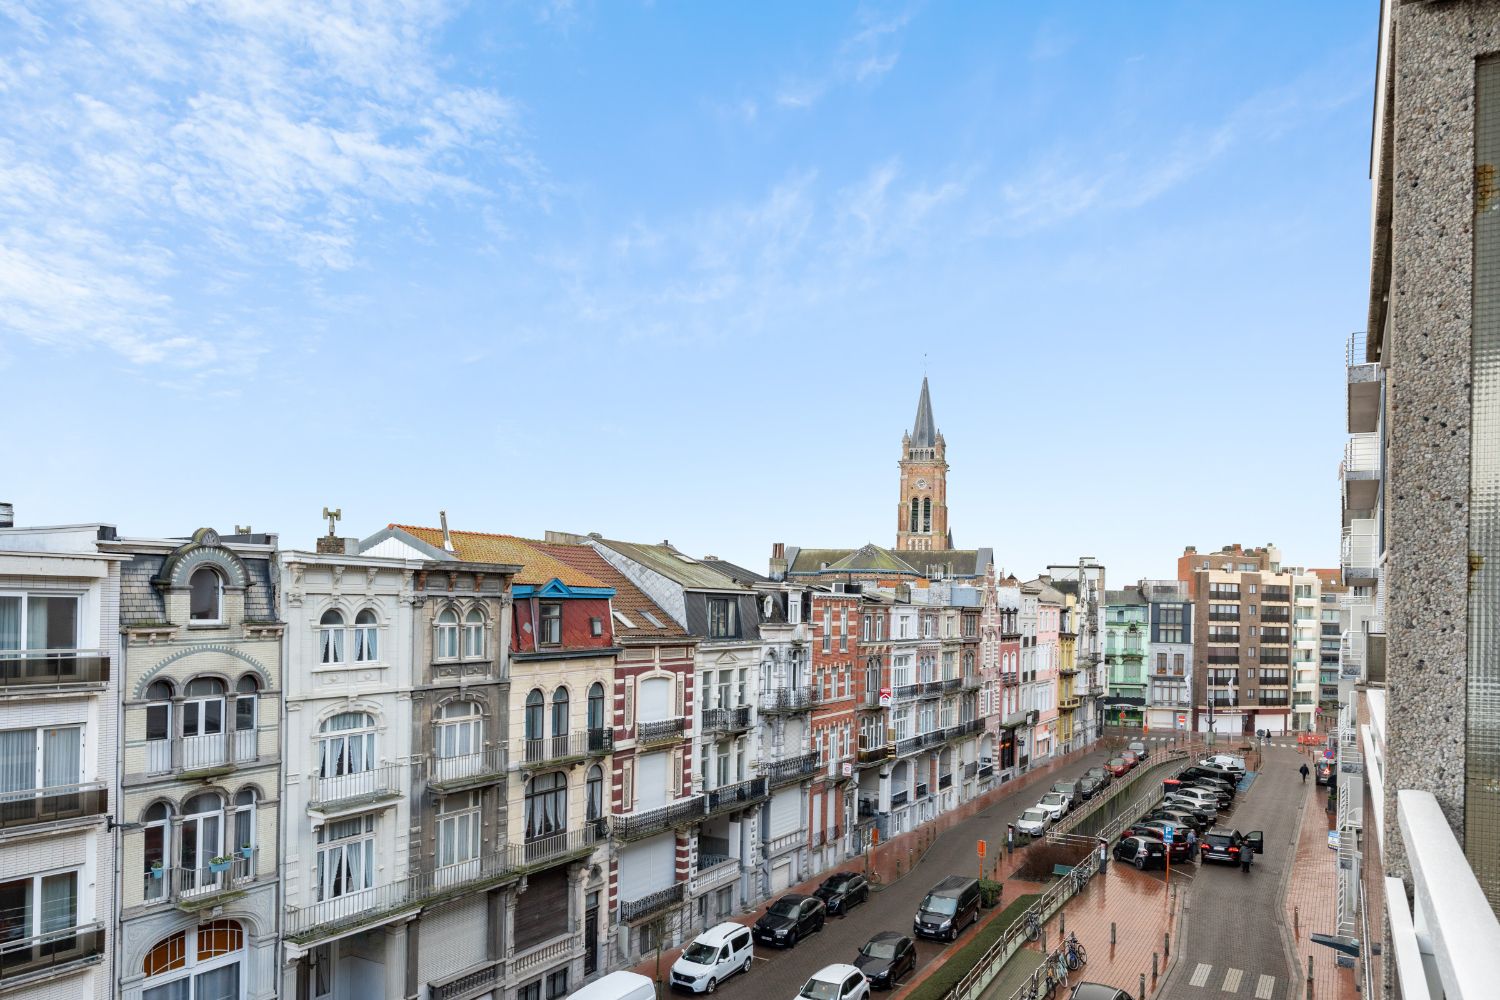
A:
(331, 637)
(596, 706)
(794, 609)
(551, 634)
(247, 691)
(366, 637)
(458, 829)
(202, 838)
(546, 805)
(38, 621)
(721, 618)
(474, 645)
(843, 630)
(157, 821)
(1252, 588)
(560, 712)
(447, 635)
(927, 515)
(594, 787)
(205, 595)
(1177, 663)
(827, 629)
(348, 744)
(34, 906)
(346, 856)
(596, 627)
(244, 820)
(915, 514)
(196, 965)
(625, 622)
(460, 730)
(203, 708)
(557, 984)
(531, 991)
(536, 706)
(40, 758)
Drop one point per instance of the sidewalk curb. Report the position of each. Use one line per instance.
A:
(1288, 942)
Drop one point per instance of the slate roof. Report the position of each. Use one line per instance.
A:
(737, 573)
(676, 566)
(628, 598)
(1130, 595)
(141, 601)
(537, 567)
(1046, 591)
(951, 562)
(872, 558)
(924, 429)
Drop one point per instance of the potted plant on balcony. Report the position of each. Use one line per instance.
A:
(246, 850)
(220, 863)
(157, 871)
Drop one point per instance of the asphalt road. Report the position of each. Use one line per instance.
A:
(782, 973)
(1229, 943)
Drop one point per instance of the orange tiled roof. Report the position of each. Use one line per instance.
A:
(537, 567)
(628, 598)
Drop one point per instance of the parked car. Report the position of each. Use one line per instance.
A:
(1222, 798)
(1097, 991)
(1069, 789)
(1325, 773)
(1178, 817)
(1118, 767)
(1157, 830)
(948, 908)
(713, 957)
(836, 982)
(620, 985)
(1227, 761)
(1206, 814)
(1090, 785)
(1137, 747)
(885, 958)
(1143, 852)
(1207, 796)
(1055, 803)
(1034, 821)
(1101, 772)
(1130, 757)
(1209, 771)
(1227, 845)
(842, 891)
(1204, 781)
(791, 918)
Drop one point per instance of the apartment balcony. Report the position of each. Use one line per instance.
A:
(196, 888)
(910, 745)
(1219, 616)
(356, 790)
(207, 755)
(663, 899)
(785, 842)
(648, 823)
(791, 701)
(726, 721)
(932, 689)
(1068, 671)
(660, 731)
(1279, 595)
(467, 984)
(900, 798)
(1068, 703)
(454, 774)
(869, 699)
(57, 804)
(1275, 615)
(1010, 680)
(790, 770)
(951, 684)
(1273, 702)
(38, 671)
(1224, 594)
(905, 692)
(1360, 471)
(714, 871)
(871, 756)
(727, 798)
(31, 961)
(1358, 550)
(1224, 637)
(567, 748)
(970, 682)
(1224, 658)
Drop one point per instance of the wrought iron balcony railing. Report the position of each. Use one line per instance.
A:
(791, 700)
(634, 909)
(660, 731)
(652, 821)
(726, 720)
(791, 769)
(567, 746)
(737, 795)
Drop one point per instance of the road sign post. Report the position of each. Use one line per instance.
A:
(1167, 840)
(982, 846)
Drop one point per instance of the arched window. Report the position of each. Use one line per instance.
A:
(460, 730)
(474, 634)
(159, 727)
(244, 822)
(331, 636)
(447, 635)
(157, 820)
(927, 514)
(914, 510)
(205, 595)
(202, 834)
(595, 792)
(366, 637)
(546, 805)
(560, 712)
(203, 723)
(596, 706)
(536, 703)
(348, 746)
(247, 692)
(201, 964)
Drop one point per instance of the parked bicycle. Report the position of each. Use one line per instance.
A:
(1033, 925)
(1077, 955)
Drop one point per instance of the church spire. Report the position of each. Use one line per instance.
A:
(924, 430)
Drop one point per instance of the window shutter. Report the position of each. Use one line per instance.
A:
(676, 773)
(627, 786)
(630, 702)
(679, 695)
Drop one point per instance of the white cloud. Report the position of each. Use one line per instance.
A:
(242, 134)
(866, 54)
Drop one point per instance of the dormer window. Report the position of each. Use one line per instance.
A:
(551, 633)
(721, 623)
(206, 596)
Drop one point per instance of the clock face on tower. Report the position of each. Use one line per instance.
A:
(921, 484)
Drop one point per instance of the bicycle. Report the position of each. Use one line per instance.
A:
(1077, 956)
(1033, 925)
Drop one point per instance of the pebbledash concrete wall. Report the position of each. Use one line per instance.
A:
(1426, 355)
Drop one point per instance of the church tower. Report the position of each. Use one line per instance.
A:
(922, 513)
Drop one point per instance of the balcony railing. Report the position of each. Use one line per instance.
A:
(201, 753)
(653, 821)
(737, 795)
(904, 691)
(932, 689)
(899, 799)
(792, 769)
(1010, 679)
(446, 773)
(952, 683)
(199, 885)
(48, 668)
(660, 731)
(909, 745)
(1219, 616)
(635, 909)
(726, 720)
(1224, 594)
(1233, 636)
(359, 786)
(466, 984)
(31, 806)
(1275, 615)
(986, 771)
(32, 958)
(799, 699)
(567, 746)
(875, 755)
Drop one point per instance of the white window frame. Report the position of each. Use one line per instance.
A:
(331, 646)
(36, 917)
(218, 619)
(445, 638)
(366, 637)
(39, 763)
(335, 854)
(25, 596)
(331, 738)
(474, 627)
(457, 731)
(458, 828)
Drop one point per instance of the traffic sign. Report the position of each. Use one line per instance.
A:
(1167, 834)
(982, 848)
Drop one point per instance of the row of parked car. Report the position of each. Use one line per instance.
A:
(1064, 796)
(1194, 800)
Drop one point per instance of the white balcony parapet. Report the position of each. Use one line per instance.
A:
(1362, 455)
(1445, 940)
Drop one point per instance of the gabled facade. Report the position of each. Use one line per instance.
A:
(59, 683)
(1169, 655)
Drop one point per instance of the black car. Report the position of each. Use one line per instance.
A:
(1100, 773)
(840, 892)
(1204, 781)
(1097, 991)
(1209, 771)
(1229, 845)
(1178, 817)
(1325, 774)
(885, 958)
(1143, 852)
(1157, 830)
(1203, 816)
(790, 918)
(1089, 786)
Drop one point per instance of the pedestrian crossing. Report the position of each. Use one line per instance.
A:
(1234, 979)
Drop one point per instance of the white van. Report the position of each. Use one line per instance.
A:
(713, 957)
(618, 986)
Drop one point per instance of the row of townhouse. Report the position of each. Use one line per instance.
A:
(450, 764)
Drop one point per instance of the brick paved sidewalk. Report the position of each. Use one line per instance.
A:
(1310, 904)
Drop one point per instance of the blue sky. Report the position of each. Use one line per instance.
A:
(672, 270)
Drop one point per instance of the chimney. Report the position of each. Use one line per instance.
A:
(7, 515)
(447, 538)
(778, 565)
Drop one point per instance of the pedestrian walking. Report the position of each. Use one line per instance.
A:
(1192, 839)
(1103, 853)
(1303, 770)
